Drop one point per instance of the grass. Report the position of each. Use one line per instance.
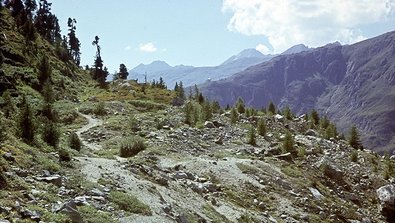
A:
(129, 203)
(91, 215)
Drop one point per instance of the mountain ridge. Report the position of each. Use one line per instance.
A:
(336, 80)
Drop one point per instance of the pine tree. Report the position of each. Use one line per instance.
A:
(44, 71)
(123, 72)
(51, 133)
(287, 113)
(261, 127)
(200, 98)
(315, 117)
(26, 122)
(188, 111)
(288, 144)
(30, 7)
(240, 105)
(74, 43)
(207, 112)
(354, 140)
(181, 91)
(215, 107)
(234, 116)
(9, 106)
(75, 142)
(252, 136)
(272, 108)
(99, 73)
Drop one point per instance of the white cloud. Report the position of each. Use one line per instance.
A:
(289, 22)
(262, 48)
(147, 47)
(127, 48)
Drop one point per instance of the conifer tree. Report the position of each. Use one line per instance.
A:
(252, 136)
(99, 73)
(240, 105)
(123, 72)
(44, 71)
(26, 124)
(30, 7)
(180, 91)
(188, 111)
(354, 140)
(207, 112)
(200, 98)
(74, 43)
(261, 127)
(287, 113)
(272, 108)
(288, 144)
(234, 116)
(315, 117)
(9, 106)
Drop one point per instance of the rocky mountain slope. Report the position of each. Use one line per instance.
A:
(352, 84)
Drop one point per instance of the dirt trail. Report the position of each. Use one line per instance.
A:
(92, 122)
(176, 194)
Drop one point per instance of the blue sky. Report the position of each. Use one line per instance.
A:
(207, 32)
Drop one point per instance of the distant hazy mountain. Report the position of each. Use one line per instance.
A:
(190, 75)
(352, 84)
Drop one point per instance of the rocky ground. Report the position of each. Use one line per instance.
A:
(210, 174)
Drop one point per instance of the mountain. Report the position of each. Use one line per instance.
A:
(296, 49)
(155, 66)
(190, 75)
(352, 84)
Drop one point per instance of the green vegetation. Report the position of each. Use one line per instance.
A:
(75, 142)
(288, 144)
(131, 146)
(354, 156)
(272, 108)
(234, 116)
(261, 125)
(354, 140)
(130, 203)
(251, 136)
(240, 105)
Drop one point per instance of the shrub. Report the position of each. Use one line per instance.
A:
(75, 142)
(354, 140)
(64, 155)
(240, 105)
(130, 203)
(131, 146)
(26, 123)
(100, 109)
(272, 108)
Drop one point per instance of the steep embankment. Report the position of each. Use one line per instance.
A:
(351, 84)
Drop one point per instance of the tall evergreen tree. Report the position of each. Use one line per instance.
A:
(240, 105)
(123, 72)
(315, 117)
(234, 116)
(261, 127)
(44, 70)
(99, 74)
(272, 108)
(252, 136)
(30, 7)
(8, 107)
(46, 23)
(26, 124)
(74, 43)
(354, 140)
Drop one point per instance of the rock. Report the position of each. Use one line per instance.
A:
(219, 140)
(316, 193)
(286, 157)
(217, 123)
(279, 117)
(330, 170)
(96, 192)
(9, 157)
(70, 209)
(311, 132)
(81, 201)
(183, 175)
(386, 195)
(4, 221)
(33, 215)
(54, 179)
(272, 151)
(209, 124)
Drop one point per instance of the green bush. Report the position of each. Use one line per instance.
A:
(131, 146)
(130, 203)
(64, 155)
(234, 116)
(100, 109)
(75, 142)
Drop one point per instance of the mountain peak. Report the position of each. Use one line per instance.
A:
(296, 49)
(154, 66)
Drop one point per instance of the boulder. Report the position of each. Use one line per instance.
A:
(330, 170)
(69, 208)
(209, 124)
(316, 193)
(9, 157)
(386, 195)
(311, 132)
